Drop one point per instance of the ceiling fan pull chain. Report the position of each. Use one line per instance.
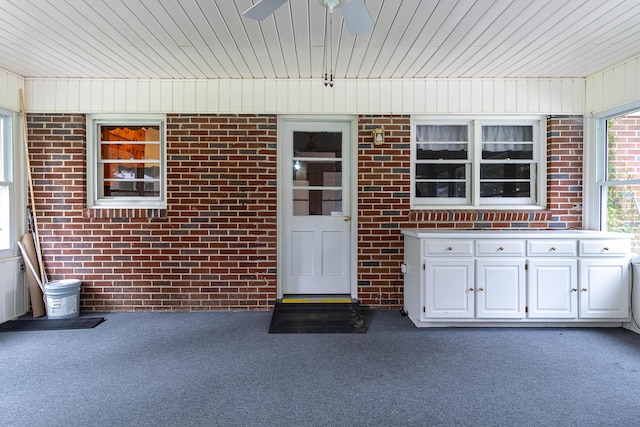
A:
(325, 64)
(331, 45)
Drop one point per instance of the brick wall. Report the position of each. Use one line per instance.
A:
(214, 247)
(564, 171)
(384, 205)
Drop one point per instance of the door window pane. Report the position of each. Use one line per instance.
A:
(317, 173)
(317, 142)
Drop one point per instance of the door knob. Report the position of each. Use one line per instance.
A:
(347, 218)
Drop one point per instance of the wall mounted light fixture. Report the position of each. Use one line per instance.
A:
(378, 136)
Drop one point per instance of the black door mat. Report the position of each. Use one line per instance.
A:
(19, 325)
(317, 318)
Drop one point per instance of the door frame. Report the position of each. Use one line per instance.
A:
(353, 187)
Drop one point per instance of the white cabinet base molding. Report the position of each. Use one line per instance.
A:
(517, 278)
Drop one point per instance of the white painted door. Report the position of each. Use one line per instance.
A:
(604, 289)
(316, 207)
(553, 288)
(500, 291)
(449, 291)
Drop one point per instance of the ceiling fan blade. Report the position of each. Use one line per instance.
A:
(262, 9)
(356, 17)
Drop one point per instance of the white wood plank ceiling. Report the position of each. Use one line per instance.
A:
(209, 39)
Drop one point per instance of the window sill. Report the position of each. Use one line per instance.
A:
(125, 213)
(479, 215)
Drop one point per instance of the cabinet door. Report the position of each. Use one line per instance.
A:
(500, 289)
(604, 288)
(553, 288)
(448, 288)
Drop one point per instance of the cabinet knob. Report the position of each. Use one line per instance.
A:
(501, 248)
(481, 289)
(553, 248)
(574, 290)
(606, 249)
(584, 289)
(470, 289)
(449, 248)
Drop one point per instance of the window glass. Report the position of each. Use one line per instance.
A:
(6, 182)
(317, 173)
(621, 187)
(441, 162)
(127, 162)
(476, 162)
(130, 159)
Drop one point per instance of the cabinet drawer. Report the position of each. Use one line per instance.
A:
(448, 247)
(495, 247)
(552, 248)
(605, 247)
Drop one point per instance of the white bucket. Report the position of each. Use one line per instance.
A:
(63, 298)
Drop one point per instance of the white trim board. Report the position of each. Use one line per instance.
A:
(300, 96)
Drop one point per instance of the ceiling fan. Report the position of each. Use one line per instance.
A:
(354, 12)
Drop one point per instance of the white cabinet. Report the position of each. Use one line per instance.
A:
(450, 293)
(553, 278)
(553, 288)
(501, 277)
(500, 288)
(604, 279)
(449, 270)
(604, 289)
(458, 286)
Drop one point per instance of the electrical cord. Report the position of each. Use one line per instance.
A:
(398, 295)
(635, 321)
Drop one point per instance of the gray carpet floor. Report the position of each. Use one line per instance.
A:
(224, 369)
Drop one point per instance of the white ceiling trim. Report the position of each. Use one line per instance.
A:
(301, 96)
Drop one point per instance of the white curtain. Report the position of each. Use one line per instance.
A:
(507, 147)
(442, 133)
(500, 133)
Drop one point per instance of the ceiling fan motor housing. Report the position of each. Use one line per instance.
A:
(332, 4)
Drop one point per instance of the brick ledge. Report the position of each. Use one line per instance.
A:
(479, 216)
(124, 213)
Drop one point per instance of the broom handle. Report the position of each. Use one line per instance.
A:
(32, 198)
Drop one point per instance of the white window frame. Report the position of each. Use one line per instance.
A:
(474, 201)
(93, 198)
(595, 167)
(7, 185)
